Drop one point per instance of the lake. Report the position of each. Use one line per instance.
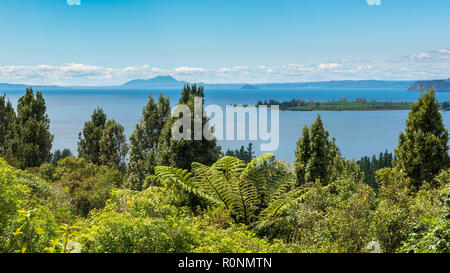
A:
(357, 133)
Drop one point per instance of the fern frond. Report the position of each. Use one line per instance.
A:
(183, 179)
(277, 208)
(213, 183)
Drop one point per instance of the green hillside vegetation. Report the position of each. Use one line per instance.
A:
(186, 196)
(360, 104)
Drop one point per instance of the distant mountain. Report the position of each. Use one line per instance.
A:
(157, 82)
(438, 85)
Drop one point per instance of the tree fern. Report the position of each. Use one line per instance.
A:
(259, 192)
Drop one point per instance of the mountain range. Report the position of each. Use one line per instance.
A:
(169, 82)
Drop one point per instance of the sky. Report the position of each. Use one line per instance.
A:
(108, 42)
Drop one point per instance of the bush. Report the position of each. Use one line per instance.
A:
(333, 218)
(431, 230)
(150, 222)
(26, 225)
(89, 185)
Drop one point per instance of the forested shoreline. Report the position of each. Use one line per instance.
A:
(151, 193)
(360, 104)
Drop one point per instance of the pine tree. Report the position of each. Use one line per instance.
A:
(244, 154)
(144, 140)
(302, 156)
(250, 153)
(32, 139)
(103, 141)
(59, 155)
(314, 154)
(370, 165)
(318, 163)
(182, 153)
(7, 127)
(89, 139)
(113, 146)
(423, 148)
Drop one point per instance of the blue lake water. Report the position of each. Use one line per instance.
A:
(357, 133)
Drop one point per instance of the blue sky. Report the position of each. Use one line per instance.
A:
(110, 41)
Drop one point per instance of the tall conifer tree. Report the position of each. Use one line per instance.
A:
(144, 140)
(89, 138)
(182, 153)
(423, 148)
(314, 154)
(32, 141)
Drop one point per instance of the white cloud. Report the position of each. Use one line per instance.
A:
(187, 70)
(374, 2)
(434, 56)
(83, 74)
(328, 66)
(74, 2)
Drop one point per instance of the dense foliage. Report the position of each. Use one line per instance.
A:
(181, 153)
(423, 148)
(26, 138)
(179, 196)
(144, 141)
(315, 154)
(259, 191)
(103, 141)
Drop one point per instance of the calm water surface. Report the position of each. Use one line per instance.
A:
(357, 133)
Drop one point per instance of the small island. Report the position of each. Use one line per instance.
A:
(360, 104)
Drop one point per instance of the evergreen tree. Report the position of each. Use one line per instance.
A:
(369, 166)
(250, 153)
(314, 154)
(7, 126)
(113, 146)
(320, 160)
(243, 154)
(103, 141)
(302, 155)
(423, 148)
(144, 140)
(58, 155)
(89, 139)
(32, 140)
(182, 153)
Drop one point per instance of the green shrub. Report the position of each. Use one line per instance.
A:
(332, 218)
(89, 186)
(26, 225)
(150, 222)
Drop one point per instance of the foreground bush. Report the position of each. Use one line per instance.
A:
(149, 221)
(88, 185)
(26, 224)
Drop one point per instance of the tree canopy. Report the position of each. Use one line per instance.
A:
(423, 148)
(182, 153)
(144, 140)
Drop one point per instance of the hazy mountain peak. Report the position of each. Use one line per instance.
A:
(158, 81)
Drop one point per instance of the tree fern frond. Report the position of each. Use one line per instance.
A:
(277, 208)
(183, 179)
(213, 183)
(231, 167)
